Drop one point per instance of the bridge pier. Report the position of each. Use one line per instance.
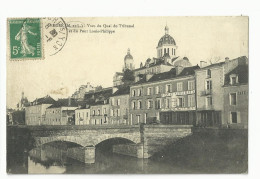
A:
(83, 154)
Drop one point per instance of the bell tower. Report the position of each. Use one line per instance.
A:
(128, 61)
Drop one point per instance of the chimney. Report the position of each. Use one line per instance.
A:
(148, 76)
(69, 101)
(114, 89)
(226, 60)
(203, 64)
(179, 69)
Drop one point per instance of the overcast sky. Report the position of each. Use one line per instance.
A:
(95, 58)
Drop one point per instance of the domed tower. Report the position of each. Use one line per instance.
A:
(166, 45)
(129, 61)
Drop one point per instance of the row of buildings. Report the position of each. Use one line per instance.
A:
(167, 89)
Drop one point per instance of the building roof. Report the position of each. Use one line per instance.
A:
(169, 75)
(92, 98)
(66, 102)
(122, 90)
(241, 71)
(222, 63)
(156, 62)
(44, 100)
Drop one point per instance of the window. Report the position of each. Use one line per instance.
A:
(133, 105)
(94, 112)
(139, 92)
(105, 110)
(149, 91)
(87, 114)
(118, 102)
(139, 104)
(158, 103)
(168, 88)
(233, 99)
(150, 104)
(138, 119)
(118, 112)
(168, 102)
(190, 85)
(209, 73)
(112, 112)
(179, 86)
(133, 92)
(112, 101)
(209, 101)
(209, 85)
(234, 117)
(233, 80)
(180, 102)
(191, 101)
(98, 111)
(145, 117)
(157, 90)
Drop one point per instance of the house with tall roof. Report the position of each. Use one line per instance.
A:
(98, 102)
(236, 98)
(62, 112)
(119, 105)
(82, 115)
(167, 98)
(35, 113)
(210, 96)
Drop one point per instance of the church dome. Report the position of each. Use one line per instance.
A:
(184, 62)
(166, 39)
(128, 55)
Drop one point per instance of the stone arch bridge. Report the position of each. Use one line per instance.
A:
(146, 139)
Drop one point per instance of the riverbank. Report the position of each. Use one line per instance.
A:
(209, 151)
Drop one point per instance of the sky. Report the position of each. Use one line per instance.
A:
(95, 57)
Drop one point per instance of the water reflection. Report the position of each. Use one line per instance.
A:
(194, 154)
(53, 158)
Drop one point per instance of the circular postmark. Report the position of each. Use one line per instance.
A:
(55, 34)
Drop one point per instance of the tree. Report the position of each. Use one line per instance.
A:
(128, 77)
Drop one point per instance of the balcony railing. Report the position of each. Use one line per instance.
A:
(206, 92)
(206, 107)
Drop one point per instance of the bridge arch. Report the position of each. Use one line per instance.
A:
(117, 140)
(44, 140)
(131, 138)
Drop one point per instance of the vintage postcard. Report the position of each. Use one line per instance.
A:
(127, 95)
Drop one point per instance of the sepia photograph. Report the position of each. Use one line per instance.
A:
(127, 95)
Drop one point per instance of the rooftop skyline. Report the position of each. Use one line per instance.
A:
(198, 38)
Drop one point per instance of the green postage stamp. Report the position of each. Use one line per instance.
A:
(25, 39)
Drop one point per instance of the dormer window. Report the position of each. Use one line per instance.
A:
(208, 73)
(233, 79)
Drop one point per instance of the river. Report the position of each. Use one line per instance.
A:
(198, 153)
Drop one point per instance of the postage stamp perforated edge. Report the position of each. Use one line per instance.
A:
(8, 41)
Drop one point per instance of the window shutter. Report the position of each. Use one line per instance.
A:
(174, 102)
